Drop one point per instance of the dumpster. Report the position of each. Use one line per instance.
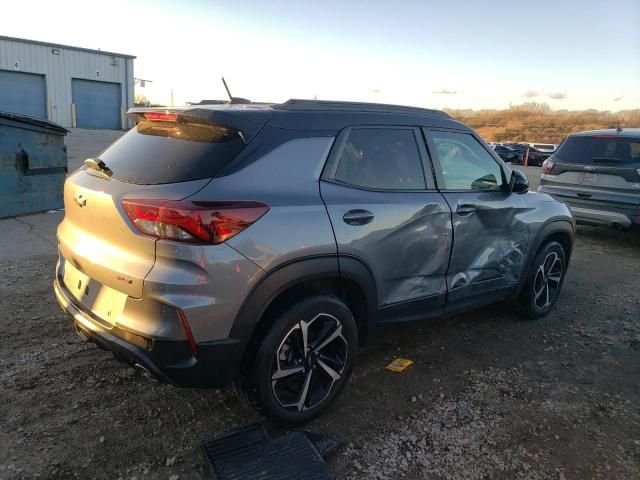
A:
(33, 164)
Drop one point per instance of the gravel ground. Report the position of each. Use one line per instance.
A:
(489, 396)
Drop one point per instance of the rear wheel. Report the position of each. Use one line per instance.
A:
(303, 361)
(545, 280)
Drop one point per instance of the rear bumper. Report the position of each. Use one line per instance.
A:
(590, 216)
(215, 365)
(597, 212)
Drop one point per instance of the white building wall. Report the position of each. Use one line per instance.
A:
(61, 68)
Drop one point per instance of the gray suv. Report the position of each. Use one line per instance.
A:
(261, 244)
(597, 174)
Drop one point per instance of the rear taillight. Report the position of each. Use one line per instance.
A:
(193, 222)
(548, 165)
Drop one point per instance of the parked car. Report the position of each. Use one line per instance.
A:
(597, 174)
(508, 155)
(261, 244)
(534, 157)
(544, 147)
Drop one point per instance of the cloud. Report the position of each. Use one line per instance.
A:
(617, 99)
(531, 94)
(557, 95)
(444, 91)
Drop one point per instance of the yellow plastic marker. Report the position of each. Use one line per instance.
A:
(399, 365)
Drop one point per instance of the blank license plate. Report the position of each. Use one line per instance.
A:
(106, 303)
(590, 178)
(75, 280)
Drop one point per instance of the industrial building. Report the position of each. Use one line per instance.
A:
(72, 86)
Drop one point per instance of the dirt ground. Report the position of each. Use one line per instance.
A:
(489, 396)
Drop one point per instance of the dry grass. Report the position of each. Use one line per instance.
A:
(536, 122)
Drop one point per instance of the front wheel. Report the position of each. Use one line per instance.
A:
(545, 280)
(304, 360)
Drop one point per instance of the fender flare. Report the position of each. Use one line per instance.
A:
(552, 227)
(289, 274)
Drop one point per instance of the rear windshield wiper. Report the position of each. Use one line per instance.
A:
(98, 165)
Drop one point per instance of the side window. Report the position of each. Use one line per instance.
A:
(381, 158)
(465, 164)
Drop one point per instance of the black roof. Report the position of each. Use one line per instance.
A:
(333, 116)
(623, 132)
(295, 104)
(317, 115)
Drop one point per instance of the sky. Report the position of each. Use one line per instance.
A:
(570, 54)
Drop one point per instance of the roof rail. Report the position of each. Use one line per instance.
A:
(295, 104)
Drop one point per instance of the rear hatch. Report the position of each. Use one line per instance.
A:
(168, 155)
(596, 169)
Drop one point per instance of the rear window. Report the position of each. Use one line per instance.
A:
(604, 150)
(155, 152)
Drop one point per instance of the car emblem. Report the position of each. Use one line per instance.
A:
(80, 200)
(590, 169)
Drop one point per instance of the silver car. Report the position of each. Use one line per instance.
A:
(261, 244)
(597, 174)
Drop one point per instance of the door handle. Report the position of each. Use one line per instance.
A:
(357, 217)
(466, 210)
(584, 195)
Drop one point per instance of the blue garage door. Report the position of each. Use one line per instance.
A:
(22, 93)
(97, 104)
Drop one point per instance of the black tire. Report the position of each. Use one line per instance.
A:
(544, 281)
(322, 317)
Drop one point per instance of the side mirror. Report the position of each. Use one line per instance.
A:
(519, 182)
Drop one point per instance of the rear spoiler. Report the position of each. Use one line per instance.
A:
(248, 121)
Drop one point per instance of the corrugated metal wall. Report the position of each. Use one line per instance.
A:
(59, 69)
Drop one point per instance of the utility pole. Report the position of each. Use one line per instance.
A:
(171, 101)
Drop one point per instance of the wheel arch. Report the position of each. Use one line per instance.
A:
(346, 278)
(561, 231)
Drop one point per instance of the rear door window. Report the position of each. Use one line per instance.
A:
(611, 150)
(178, 150)
(381, 159)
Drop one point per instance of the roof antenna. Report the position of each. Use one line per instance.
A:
(227, 89)
(618, 129)
(232, 99)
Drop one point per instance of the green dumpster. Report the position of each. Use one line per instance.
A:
(33, 164)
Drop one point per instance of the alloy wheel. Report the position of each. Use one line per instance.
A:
(308, 362)
(546, 285)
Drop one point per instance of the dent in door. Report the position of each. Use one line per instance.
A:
(491, 248)
(417, 255)
(406, 246)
